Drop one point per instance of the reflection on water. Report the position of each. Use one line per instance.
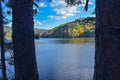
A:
(65, 59)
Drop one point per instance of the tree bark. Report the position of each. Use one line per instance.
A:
(23, 41)
(107, 54)
(2, 45)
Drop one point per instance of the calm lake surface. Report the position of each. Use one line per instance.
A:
(65, 59)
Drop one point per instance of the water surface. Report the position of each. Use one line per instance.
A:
(65, 59)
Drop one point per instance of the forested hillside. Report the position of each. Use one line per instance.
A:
(78, 28)
(8, 32)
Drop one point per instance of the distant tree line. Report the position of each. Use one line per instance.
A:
(75, 29)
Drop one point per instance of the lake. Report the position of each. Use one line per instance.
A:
(65, 59)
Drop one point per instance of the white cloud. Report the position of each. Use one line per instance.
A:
(90, 3)
(42, 4)
(37, 23)
(84, 1)
(62, 10)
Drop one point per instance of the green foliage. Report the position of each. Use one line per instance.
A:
(8, 32)
(38, 33)
(37, 36)
(78, 28)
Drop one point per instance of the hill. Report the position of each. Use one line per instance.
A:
(75, 29)
(8, 32)
(39, 32)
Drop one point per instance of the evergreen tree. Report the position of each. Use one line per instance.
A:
(107, 40)
(23, 40)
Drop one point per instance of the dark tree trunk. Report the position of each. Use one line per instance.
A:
(107, 54)
(2, 45)
(23, 41)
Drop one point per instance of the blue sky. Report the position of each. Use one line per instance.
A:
(52, 14)
(55, 13)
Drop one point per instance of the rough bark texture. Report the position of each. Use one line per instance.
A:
(2, 45)
(107, 54)
(23, 41)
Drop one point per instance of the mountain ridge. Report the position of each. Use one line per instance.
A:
(83, 27)
(8, 32)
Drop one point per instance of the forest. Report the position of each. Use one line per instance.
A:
(8, 32)
(75, 29)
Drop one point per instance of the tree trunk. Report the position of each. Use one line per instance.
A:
(23, 41)
(107, 54)
(2, 45)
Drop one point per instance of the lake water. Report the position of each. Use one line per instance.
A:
(65, 59)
